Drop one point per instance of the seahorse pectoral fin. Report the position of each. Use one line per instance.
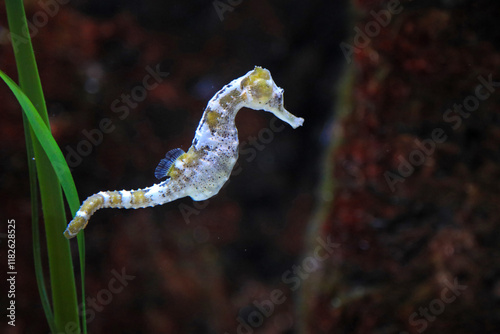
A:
(165, 163)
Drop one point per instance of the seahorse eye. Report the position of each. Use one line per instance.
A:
(277, 99)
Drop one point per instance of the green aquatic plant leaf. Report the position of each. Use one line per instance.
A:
(48, 143)
(49, 171)
(56, 158)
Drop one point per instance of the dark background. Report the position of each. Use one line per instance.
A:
(197, 267)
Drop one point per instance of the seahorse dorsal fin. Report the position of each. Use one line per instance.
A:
(165, 163)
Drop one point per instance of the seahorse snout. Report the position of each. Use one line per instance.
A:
(276, 106)
(285, 116)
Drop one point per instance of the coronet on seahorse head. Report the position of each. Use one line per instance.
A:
(264, 94)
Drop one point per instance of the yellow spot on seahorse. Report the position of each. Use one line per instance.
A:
(212, 119)
(232, 97)
(92, 203)
(138, 197)
(259, 85)
(77, 224)
(115, 198)
(258, 73)
(188, 160)
(173, 172)
(261, 90)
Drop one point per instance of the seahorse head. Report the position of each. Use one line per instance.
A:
(264, 94)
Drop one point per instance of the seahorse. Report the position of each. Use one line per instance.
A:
(201, 171)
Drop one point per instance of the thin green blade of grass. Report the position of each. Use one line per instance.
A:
(37, 256)
(48, 143)
(53, 152)
(62, 282)
(60, 262)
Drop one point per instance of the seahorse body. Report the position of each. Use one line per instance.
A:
(201, 171)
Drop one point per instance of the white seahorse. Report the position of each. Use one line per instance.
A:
(201, 171)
